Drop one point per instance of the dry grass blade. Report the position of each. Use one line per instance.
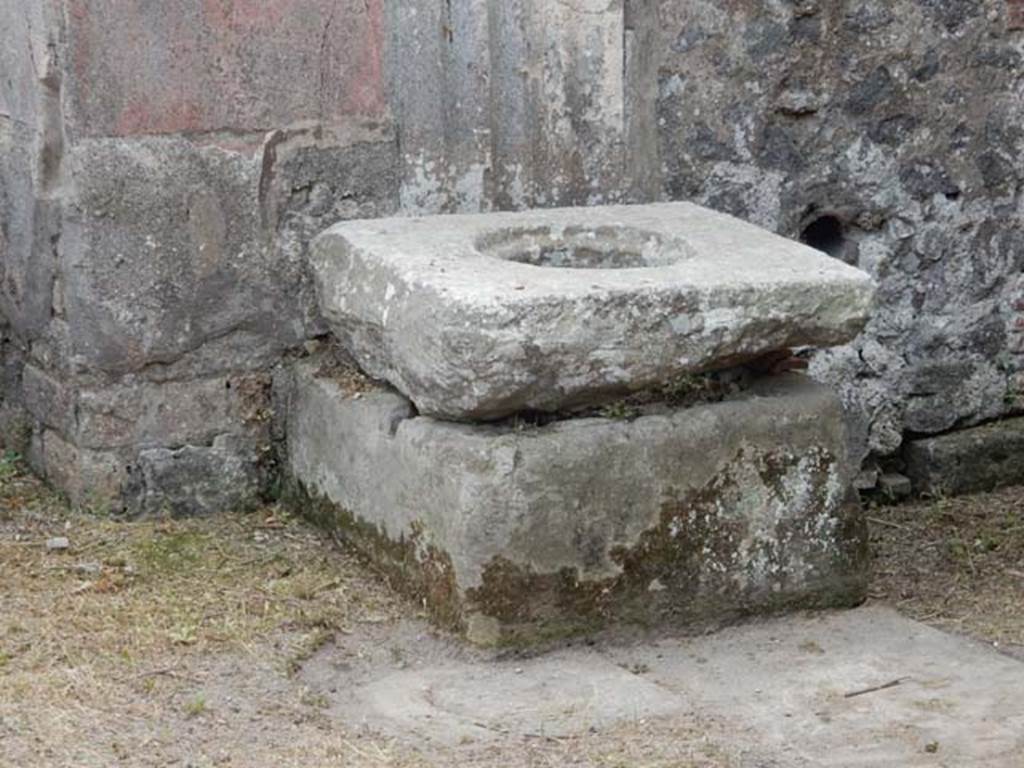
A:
(123, 627)
(954, 563)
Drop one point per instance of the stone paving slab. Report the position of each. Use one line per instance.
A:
(789, 681)
(475, 317)
(777, 691)
(561, 695)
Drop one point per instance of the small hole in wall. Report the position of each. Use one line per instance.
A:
(826, 234)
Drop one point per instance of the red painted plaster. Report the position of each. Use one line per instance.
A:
(1015, 14)
(222, 65)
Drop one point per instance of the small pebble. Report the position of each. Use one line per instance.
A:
(58, 544)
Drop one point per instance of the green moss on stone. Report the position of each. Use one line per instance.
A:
(691, 571)
(412, 566)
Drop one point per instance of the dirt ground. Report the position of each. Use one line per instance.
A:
(181, 643)
(957, 564)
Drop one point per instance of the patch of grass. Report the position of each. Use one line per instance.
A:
(195, 707)
(307, 646)
(206, 583)
(10, 465)
(619, 409)
(139, 595)
(98, 505)
(170, 551)
(104, 665)
(315, 700)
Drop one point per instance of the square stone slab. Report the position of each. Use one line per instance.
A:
(475, 317)
(516, 534)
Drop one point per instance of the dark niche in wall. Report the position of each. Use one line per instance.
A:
(826, 234)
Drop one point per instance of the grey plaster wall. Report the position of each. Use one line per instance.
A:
(154, 223)
(888, 133)
(153, 229)
(904, 121)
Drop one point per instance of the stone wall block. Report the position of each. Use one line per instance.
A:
(164, 253)
(509, 104)
(193, 480)
(140, 415)
(517, 536)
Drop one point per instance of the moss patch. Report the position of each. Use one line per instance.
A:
(409, 564)
(692, 570)
(761, 536)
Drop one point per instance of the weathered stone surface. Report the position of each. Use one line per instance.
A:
(222, 65)
(476, 317)
(31, 146)
(16, 424)
(27, 259)
(22, 31)
(898, 119)
(977, 459)
(902, 120)
(512, 103)
(89, 478)
(516, 533)
(143, 414)
(164, 253)
(314, 176)
(763, 694)
(188, 479)
(193, 480)
(192, 257)
(49, 399)
(140, 447)
(146, 415)
(162, 170)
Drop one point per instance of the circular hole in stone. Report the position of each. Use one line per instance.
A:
(826, 234)
(577, 247)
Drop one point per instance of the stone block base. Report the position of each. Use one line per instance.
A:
(977, 459)
(139, 447)
(513, 534)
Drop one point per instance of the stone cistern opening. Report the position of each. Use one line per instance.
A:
(582, 247)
